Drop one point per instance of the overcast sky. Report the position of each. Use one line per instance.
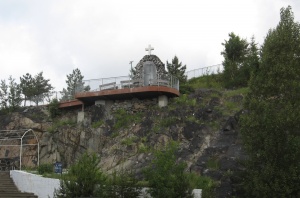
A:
(101, 37)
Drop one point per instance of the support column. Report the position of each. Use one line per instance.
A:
(80, 116)
(162, 101)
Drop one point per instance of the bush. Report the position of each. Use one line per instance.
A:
(121, 184)
(84, 179)
(45, 168)
(166, 177)
(53, 108)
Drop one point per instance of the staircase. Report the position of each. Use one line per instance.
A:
(8, 188)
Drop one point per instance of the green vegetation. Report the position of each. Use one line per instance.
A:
(97, 124)
(74, 84)
(200, 182)
(212, 81)
(240, 60)
(53, 108)
(45, 168)
(213, 163)
(129, 141)
(84, 179)
(185, 100)
(175, 68)
(167, 122)
(35, 88)
(10, 95)
(123, 118)
(59, 123)
(270, 129)
(166, 177)
(121, 184)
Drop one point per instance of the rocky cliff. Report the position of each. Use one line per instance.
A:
(204, 123)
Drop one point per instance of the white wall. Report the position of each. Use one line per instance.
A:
(40, 186)
(44, 187)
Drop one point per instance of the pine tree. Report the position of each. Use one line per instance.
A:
(177, 69)
(271, 129)
(3, 95)
(27, 87)
(234, 56)
(74, 84)
(14, 94)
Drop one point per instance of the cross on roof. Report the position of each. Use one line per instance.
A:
(149, 49)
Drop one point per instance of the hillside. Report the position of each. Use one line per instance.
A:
(203, 122)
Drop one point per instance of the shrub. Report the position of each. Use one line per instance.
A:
(84, 179)
(45, 168)
(53, 108)
(166, 177)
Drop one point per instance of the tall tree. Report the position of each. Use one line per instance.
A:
(10, 95)
(176, 69)
(234, 55)
(74, 84)
(27, 87)
(3, 95)
(14, 95)
(270, 129)
(35, 88)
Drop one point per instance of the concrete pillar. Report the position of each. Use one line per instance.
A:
(80, 117)
(162, 101)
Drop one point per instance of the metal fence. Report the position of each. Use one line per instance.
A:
(126, 81)
(214, 69)
(122, 82)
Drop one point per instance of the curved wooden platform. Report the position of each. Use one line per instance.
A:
(127, 93)
(89, 98)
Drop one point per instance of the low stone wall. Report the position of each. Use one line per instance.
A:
(44, 187)
(40, 186)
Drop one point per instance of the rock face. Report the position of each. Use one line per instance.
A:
(203, 123)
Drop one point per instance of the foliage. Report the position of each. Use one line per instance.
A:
(175, 68)
(121, 184)
(213, 163)
(45, 168)
(74, 84)
(207, 81)
(167, 122)
(10, 95)
(129, 140)
(3, 95)
(123, 118)
(270, 129)
(84, 179)
(27, 86)
(53, 108)
(166, 177)
(186, 88)
(185, 100)
(97, 124)
(240, 59)
(14, 96)
(60, 123)
(201, 182)
(35, 88)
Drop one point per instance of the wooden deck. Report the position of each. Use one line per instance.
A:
(89, 98)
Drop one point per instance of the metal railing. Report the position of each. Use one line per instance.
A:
(127, 82)
(122, 82)
(214, 69)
